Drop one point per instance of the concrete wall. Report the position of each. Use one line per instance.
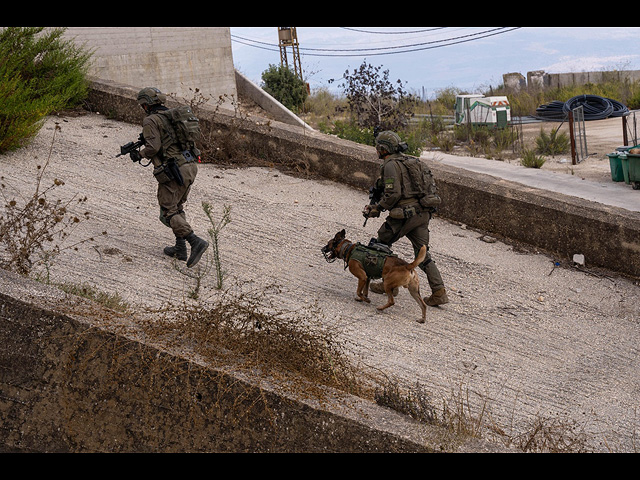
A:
(74, 379)
(173, 59)
(559, 80)
(542, 79)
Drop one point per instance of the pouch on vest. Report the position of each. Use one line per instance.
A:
(372, 260)
(402, 213)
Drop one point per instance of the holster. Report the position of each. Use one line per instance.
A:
(168, 172)
(175, 172)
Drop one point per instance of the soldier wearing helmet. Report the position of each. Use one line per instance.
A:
(175, 173)
(408, 193)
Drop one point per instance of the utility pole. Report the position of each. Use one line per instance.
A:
(288, 37)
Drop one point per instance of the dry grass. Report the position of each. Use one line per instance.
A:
(244, 326)
(35, 228)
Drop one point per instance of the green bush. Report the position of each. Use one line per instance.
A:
(554, 143)
(349, 130)
(40, 73)
(531, 159)
(283, 85)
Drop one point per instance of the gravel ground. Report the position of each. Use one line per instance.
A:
(522, 337)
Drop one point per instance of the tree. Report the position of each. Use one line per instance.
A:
(374, 100)
(285, 86)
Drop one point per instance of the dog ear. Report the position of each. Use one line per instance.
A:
(342, 233)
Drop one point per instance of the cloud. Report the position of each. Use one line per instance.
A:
(572, 63)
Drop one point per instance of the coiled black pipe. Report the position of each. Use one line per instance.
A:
(619, 110)
(551, 111)
(594, 107)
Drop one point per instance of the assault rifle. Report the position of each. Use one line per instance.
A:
(132, 147)
(375, 195)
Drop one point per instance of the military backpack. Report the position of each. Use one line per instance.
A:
(184, 128)
(422, 184)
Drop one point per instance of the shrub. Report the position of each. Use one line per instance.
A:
(31, 227)
(552, 144)
(283, 85)
(350, 130)
(40, 73)
(531, 160)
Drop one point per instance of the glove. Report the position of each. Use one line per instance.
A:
(371, 211)
(135, 156)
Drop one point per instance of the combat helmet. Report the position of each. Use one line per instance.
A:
(391, 142)
(151, 96)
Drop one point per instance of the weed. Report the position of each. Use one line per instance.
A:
(112, 301)
(553, 143)
(34, 227)
(532, 160)
(214, 235)
(205, 266)
(240, 325)
(416, 402)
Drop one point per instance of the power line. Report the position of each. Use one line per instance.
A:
(384, 50)
(392, 33)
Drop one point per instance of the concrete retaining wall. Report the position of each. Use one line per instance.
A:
(71, 381)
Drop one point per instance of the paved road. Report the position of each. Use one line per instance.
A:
(522, 337)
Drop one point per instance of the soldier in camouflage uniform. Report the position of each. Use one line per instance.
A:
(172, 192)
(409, 208)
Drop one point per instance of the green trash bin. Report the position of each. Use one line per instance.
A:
(634, 170)
(624, 163)
(615, 163)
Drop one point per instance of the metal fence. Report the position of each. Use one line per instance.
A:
(578, 135)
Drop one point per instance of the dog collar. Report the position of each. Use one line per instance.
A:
(345, 252)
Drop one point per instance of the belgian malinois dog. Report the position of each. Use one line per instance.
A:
(395, 272)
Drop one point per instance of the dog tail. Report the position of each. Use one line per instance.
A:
(422, 254)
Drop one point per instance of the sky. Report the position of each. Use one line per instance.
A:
(429, 59)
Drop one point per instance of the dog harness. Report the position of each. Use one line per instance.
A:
(371, 259)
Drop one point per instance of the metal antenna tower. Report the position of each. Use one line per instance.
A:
(288, 37)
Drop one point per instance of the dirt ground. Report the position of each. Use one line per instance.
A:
(603, 136)
(525, 336)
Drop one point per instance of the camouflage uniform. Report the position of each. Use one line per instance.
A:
(172, 194)
(407, 218)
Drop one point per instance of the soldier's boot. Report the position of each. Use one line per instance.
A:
(378, 288)
(198, 247)
(178, 251)
(438, 297)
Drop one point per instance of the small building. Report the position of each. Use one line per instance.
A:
(478, 110)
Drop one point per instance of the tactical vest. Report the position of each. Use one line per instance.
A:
(372, 260)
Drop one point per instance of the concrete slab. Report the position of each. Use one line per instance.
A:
(616, 194)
